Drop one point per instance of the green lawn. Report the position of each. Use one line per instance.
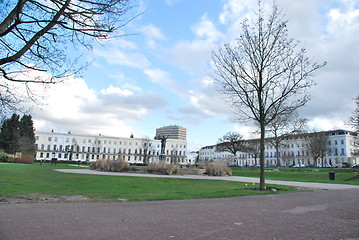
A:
(21, 179)
(301, 174)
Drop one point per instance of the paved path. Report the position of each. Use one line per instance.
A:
(326, 186)
(329, 215)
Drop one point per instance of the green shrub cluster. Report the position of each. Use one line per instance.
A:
(6, 158)
(218, 169)
(119, 165)
(162, 168)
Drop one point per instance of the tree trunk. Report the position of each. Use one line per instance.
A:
(278, 164)
(261, 159)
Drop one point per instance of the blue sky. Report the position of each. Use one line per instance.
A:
(159, 75)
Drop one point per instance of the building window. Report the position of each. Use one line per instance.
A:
(49, 139)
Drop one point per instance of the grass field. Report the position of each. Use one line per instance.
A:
(301, 174)
(21, 179)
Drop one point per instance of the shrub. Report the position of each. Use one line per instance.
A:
(120, 165)
(110, 166)
(162, 168)
(218, 169)
(26, 159)
(6, 158)
(346, 165)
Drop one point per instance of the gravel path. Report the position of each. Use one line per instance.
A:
(327, 186)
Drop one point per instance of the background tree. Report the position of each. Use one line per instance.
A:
(354, 122)
(38, 36)
(317, 145)
(17, 135)
(10, 134)
(146, 149)
(253, 148)
(281, 128)
(230, 142)
(27, 134)
(264, 74)
(354, 119)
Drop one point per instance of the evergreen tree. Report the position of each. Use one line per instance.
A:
(10, 134)
(27, 135)
(17, 135)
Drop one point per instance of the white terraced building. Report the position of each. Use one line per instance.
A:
(342, 148)
(75, 147)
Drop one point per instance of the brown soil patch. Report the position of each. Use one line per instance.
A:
(36, 198)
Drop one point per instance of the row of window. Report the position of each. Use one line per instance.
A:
(88, 157)
(109, 142)
(109, 150)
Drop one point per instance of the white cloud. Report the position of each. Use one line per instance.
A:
(74, 107)
(122, 58)
(115, 90)
(191, 56)
(153, 32)
(206, 29)
(233, 10)
(164, 79)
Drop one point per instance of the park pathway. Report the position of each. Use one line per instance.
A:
(327, 186)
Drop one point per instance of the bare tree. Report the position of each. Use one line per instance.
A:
(264, 74)
(253, 148)
(230, 142)
(281, 128)
(317, 145)
(145, 150)
(36, 36)
(354, 119)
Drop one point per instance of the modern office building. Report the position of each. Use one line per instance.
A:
(172, 132)
(76, 147)
(341, 149)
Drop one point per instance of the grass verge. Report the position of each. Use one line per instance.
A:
(20, 179)
(301, 175)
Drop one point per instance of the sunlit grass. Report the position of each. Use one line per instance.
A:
(301, 174)
(20, 179)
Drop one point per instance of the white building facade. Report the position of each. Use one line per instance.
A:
(342, 148)
(67, 146)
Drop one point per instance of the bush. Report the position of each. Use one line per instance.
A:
(346, 165)
(110, 166)
(162, 168)
(26, 159)
(6, 158)
(218, 169)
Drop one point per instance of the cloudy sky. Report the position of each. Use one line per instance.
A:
(158, 75)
